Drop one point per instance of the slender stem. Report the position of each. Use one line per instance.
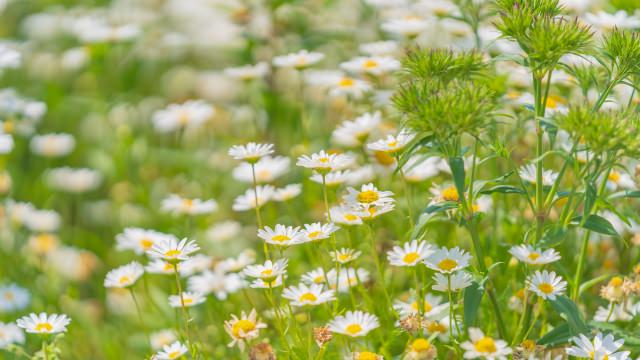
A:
(185, 313)
(45, 350)
(144, 327)
(257, 207)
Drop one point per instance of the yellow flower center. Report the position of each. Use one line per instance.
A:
(614, 176)
(44, 327)
(410, 257)
(187, 203)
(420, 345)
(436, 327)
(183, 117)
(533, 256)
(392, 144)
(124, 280)
(368, 196)
(8, 126)
(553, 101)
(263, 174)
(367, 355)
(447, 264)
(44, 243)
(616, 281)
(546, 288)
(485, 345)
(427, 306)
(384, 158)
(187, 301)
(592, 355)
(350, 217)
(344, 257)
(314, 234)
(370, 64)
(450, 194)
(267, 272)
(174, 354)
(244, 325)
(346, 82)
(354, 329)
(308, 297)
(318, 279)
(280, 238)
(146, 243)
(173, 253)
(9, 296)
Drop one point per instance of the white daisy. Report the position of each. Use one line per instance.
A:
(300, 60)
(162, 338)
(534, 256)
(251, 152)
(345, 215)
(287, 193)
(374, 211)
(10, 334)
(13, 298)
(354, 323)
(268, 284)
(352, 133)
(346, 278)
(373, 65)
(546, 284)
(620, 180)
(52, 145)
(410, 254)
(44, 323)
(187, 298)
(303, 295)
(124, 276)
(379, 48)
(347, 86)
(315, 276)
(409, 26)
(162, 267)
(331, 179)
(216, 282)
(324, 162)
(184, 206)
(454, 282)
(602, 347)
(248, 72)
(43, 221)
(267, 271)
(344, 255)
(139, 240)
(244, 328)
(190, 114)
(432, 307)
(72, 180)
(267, 170)
(481, 346)
(392, 144)
(281, 235)
(247, 201)
(172, 351)
(171, 250)
(448, 261)
(318, 231)
(9, 58)
(368, 196)
(528, 174)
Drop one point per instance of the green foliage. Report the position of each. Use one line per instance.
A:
(604, 131)
(622, 49)
(441, 64)
(543, 35)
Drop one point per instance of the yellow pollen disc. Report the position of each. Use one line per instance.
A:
(370, 64)
(264, 174)
(44, 242)
(146, 244)
(8, 127)
(475, 208)
(520, 294)
(426, 306)
(346, 82)
(410, 257)
(450, 194)
(280, 238)
(314, 234)
(9, 296)
(436, 327)
(384, 158)
(324, 160)
(187, 301)
(366, 355)
(318, 279)
(533, 256)
(187, 203)
(616, 281)
(529, 345)
(392, 144)
(301, 61)
(354, 329)
(447, 264)
(411, 17)
(553, 101)
(168, 267)
(546, 288)
(183, 118)
(368, 196)
(485, 345)
(244, 325)
(173, 354)
(123, 280)
(344, 257)
(307, 297)
(420, 345)
(172, 253)
(350, 217)
(267, 272)
(614, 176)
(44, 327)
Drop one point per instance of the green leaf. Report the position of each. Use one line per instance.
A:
(569, 310)
(596, 223)
(588, 284)
(503, 189)
(472, 298)
(457, 170)
(441, 207)
(556, 336)
(591, 194)
(625, 194)
(554, 236)
(631, 338)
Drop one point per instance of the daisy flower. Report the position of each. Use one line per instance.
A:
(183, 206)
(216, 282)
(444, 193)
(410, 253)
(162, 337)
(13, 298)
(52, 145)
(620, 312)
(534, 256)
(318, 231)
(481, 346)
(231, 264)
(354, 323)
(140, 240)
(331, 179)
(459, 281)
(344, 255)
(363, 355)
(9, 58)
(247, 201)
(192, 113)
(528, 174)
(248, 72)
(367, 196)
(421, 349)
(316, 276)
(546, 284)
(448, 261)
(268, 283)
(172, 250)
(348, 86)
(44, 323)
(251, 152)
(244, 328)
(281, 235)
(379, 48)
(324, 162)
(345, 215)
(287, 193)
(392, 144)
(124, 276)
(172, 351)
(195, 264)
(300, 60)
(409, 26)
(620, 180)
(431, 307)
(372, 65)
(10, 334)
(418, 168)
(374, 211)
(303, 295)
(352, 133)
(347, 278)
(601, 347)
(267, 170)
(187, 298)
(267, 271)
(159, 266)
(6, 143)
(607, 22)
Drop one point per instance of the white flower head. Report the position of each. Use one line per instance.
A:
(52, 145)
(243, 328)
(172, 351)
(528, 174)
(172, 250)
(281, 235)
(247, 201)
(44, 323)
(190, 114)
(267, 271)
(178, 205)
(140, 240)
(312, 295)
(251, 152)
(186, 299)
(318, 231)
(124, 276)
(448, 261)
(534, 256)
(482, 346)
(368, 196)
(300, 60)
(344, 255)
(324, 162)
(354, 323)
(546, 284)
(410, 254)
(454, 282)
(601, 347)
